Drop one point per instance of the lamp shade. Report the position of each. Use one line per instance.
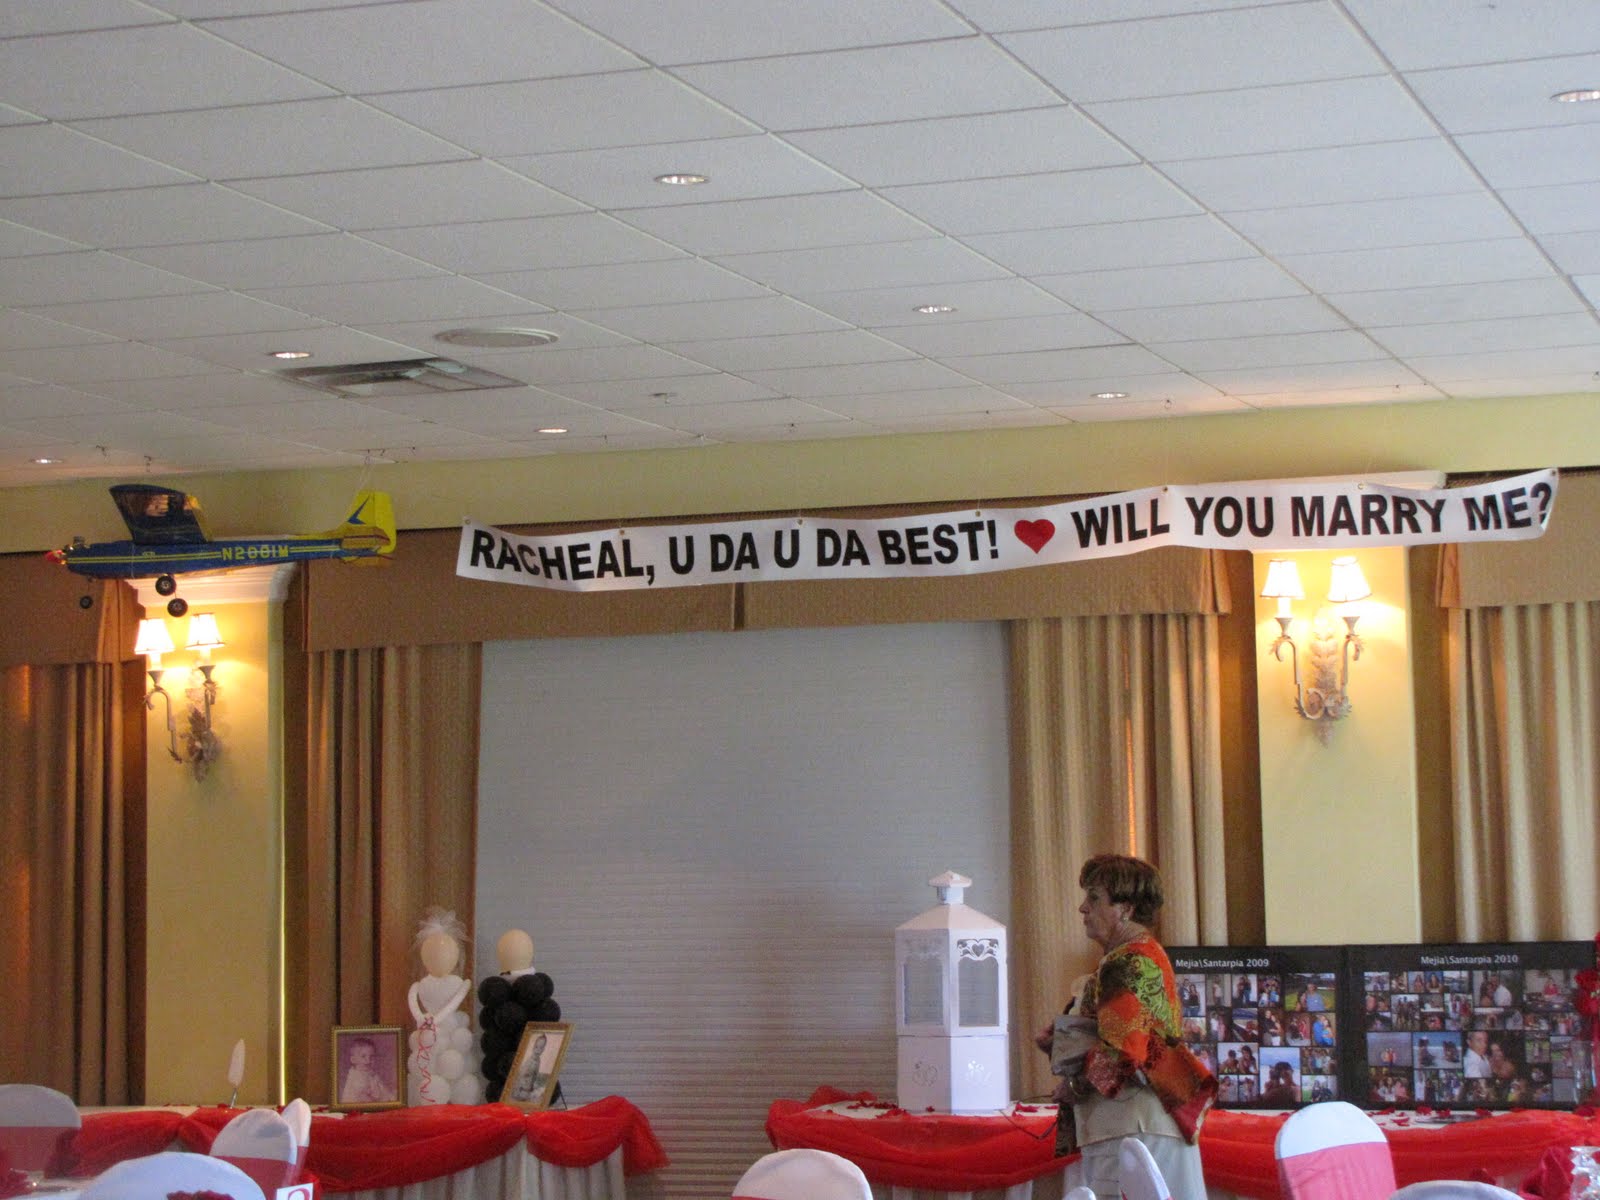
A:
(1283, 581)
(203, 633)
(153, 640)
(1347, 582)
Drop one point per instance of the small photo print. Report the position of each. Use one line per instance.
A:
(369, 1065)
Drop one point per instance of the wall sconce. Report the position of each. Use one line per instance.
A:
(1327, 698)
(200, 745)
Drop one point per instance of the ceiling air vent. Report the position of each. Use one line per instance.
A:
(409, 377)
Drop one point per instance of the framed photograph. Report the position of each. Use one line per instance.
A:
(532, 1079)
(369, 1066)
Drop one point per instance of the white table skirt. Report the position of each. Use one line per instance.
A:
(1046, 1187)
(515, 1175)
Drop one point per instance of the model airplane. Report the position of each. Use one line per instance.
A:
(168, 538)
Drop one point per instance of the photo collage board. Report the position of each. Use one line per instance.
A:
(1446, 1026)
(1266, 1020)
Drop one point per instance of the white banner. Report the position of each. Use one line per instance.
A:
(1231, 516)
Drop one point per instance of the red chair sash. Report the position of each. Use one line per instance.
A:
(1358, 1171)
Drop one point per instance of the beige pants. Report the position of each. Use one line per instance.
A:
(1178, 1160)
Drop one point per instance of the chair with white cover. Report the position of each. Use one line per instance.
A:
(262, 1145)
(35, 1122)
(1079, 1193)
(171, 1171)
(298, 1115)
(1453, 1189)
(1139, 1176)
(803, 1175)
(1334, 1151)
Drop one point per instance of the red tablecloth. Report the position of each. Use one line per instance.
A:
(394, 1147)
(958, 1154)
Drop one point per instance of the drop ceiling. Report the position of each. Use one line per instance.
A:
(1115, 209)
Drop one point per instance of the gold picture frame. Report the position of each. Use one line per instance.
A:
(531, 1081)
(369, 1067)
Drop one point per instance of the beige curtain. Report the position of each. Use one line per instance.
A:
(386, 828)
(1524, 733)
(1116, 746)
(72, 854)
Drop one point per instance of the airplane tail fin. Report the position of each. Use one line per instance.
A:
(369, 528)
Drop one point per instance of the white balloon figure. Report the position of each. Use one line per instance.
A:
(443, 1066)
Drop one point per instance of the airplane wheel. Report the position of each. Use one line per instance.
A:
(177, 606)
(165, 585)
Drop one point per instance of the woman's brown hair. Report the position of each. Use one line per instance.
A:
(1125, 880)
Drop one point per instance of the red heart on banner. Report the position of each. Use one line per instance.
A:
(1035, 534)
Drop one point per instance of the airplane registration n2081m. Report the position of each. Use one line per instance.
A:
(167, 537)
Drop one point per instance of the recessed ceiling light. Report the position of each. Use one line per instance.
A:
(929, 310)
(502, 337)
(1577, 96)
(554, 429)
(41, 461)
(1109, 396)
(291, 354)
(682, 179)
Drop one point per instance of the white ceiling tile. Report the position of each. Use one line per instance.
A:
(285, 262)
(1109, 247)
(1589, 285)
(677, 31)
(1439, 33)
(113, 75)
(779, 223)
(1029, 142)
(18, 241)
(629, 395)
(878, 406)
(87, 276)
(157, 216)
(253, 351)
(847, 268)
(1009, 418)
(1178, 283)
(194, 392)
(1448, 370)
(746, 414)
(736, 168)
(154, 317)
(1202, 52)
(1056, 365)
(864, 87)
(1567, 383)
(977, 300)
(1470, 337)
(1328, 397)
(1233, 354)
(586, 112)
(1574, 253)
(22, 331)
(552, 367)
(574, 239)
(1458, 302)
(445, 300)
(33, 400)
(1089, 197)
(106, 360)
(1536, 157)
(389, 197)
(1225, 319)
(1419, 266)
(300, 416)
(427, 44)
(715, 319)
(828, 348)
(1140, 389)
(1372, 224)
(37, 160)
(998, 16)
(1325, 176)
(1560, 208)
(1514, 95)
(291, 138)
(1140, 410)
(571, 334)
(1249, 382)
(70, 16)
(859, 379)
(1011, 336)
(1267, 120)
(625, 285)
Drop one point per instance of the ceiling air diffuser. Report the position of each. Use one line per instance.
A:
(408, 377)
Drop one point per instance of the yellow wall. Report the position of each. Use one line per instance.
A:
(214, 877)
(1339, 820)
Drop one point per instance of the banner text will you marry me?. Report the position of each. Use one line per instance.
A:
(1276, 516)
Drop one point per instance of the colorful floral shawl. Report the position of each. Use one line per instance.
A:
(1134, 998)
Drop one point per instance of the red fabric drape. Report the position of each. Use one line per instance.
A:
(958, 1154)
(392, 1148)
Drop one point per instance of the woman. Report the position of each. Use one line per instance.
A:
(1138, 1079)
